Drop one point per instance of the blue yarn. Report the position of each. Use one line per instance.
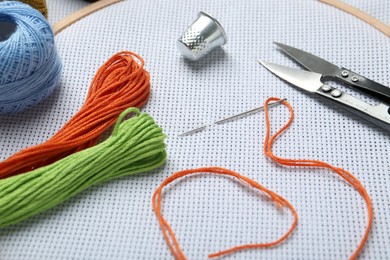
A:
(30, 68)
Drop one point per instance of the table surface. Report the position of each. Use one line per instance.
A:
(115, 220)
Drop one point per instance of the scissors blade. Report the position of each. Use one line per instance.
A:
(310, 61)
(309, 81)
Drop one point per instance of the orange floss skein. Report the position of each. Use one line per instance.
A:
(169, 235)
(347, 176)
(120, 83)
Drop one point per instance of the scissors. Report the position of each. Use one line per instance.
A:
(319, 70)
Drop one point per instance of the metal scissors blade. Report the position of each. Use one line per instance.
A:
(311, 81)
(343, 75)
(310, 61)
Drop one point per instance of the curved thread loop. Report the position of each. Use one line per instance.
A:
(169, 235)
(122, 115)
(280, 201)
(347, 176)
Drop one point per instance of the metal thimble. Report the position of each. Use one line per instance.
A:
(201, 37)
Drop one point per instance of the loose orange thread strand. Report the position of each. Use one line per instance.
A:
(169, 235)
(120, 83)
(347, 176)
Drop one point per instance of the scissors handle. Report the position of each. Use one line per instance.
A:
(364, 84)
(378, 115)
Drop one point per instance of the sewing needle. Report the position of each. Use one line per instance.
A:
(221, 121)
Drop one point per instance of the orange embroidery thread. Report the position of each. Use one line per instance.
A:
(121, 82)
(280, 202)
(169, 235)
(347, 176)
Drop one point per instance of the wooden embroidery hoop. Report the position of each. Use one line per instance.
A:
(71, 19)
(377, 24)
(76, 16)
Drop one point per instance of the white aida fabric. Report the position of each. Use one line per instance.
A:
(209, 213)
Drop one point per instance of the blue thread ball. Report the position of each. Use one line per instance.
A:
(30, 68)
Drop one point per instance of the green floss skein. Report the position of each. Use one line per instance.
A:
(136, 145)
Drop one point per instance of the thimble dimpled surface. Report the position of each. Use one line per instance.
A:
(201, 37)
(195, 44)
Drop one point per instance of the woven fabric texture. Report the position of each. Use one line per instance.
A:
(115, 220)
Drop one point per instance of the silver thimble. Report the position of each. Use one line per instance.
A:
(201, 37)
